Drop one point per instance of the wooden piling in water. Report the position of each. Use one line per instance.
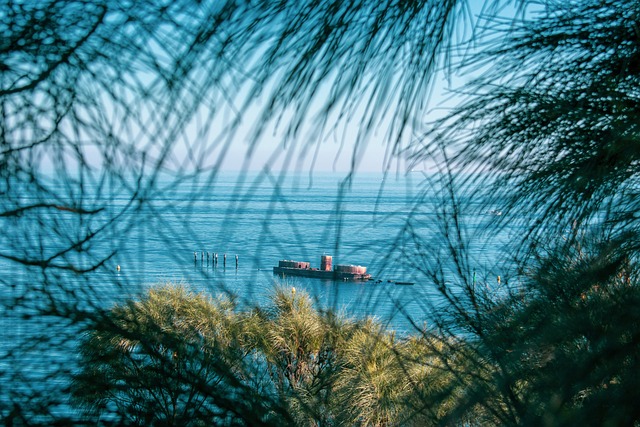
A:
(213, 256)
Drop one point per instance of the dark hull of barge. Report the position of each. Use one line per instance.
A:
(303, 269)
(320, 274)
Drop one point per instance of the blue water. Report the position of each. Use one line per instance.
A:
(261, 219)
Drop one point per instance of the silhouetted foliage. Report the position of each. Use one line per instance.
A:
(99, 99)
(552, 120)
(547, 134)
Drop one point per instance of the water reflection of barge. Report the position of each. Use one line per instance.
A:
(339, 272)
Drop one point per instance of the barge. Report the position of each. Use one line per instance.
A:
(339, 272)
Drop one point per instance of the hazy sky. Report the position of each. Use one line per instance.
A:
(332, 145)
(333, 149)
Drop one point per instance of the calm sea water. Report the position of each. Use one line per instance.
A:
(265, 219)
(389, 224)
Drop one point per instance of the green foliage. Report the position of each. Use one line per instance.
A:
(376, 382)
(177, 358)
(300, 348)
(171, 358)
(575, 341)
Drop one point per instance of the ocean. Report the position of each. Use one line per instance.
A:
(262, 220)
(392, 224)
(389, 224)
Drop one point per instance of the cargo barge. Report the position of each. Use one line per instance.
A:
(339, 272)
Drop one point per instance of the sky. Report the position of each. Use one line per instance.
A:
(204, 142)
(333, 149)
(326, 150)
